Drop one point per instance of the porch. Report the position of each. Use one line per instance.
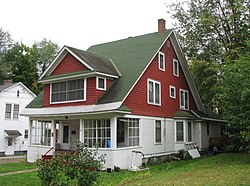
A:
(116, 137)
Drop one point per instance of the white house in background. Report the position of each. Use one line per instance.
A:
(126, 96)
(14, 97)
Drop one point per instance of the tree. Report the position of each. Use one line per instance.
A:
(210, 29)
(205, 76)
(235, 99)
(5, 43)
(46, 51)
(23, 66)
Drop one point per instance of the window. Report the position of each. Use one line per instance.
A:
(73, 90)
(100, 83)
(161, 61)
(41, 133)
(16, 111)
(10, 141)
(208, 128)
(8, 111)
(184, 105)
(175, 67)
(97, 133)
(154, 95)
(179, 132)
(157, 131)
(128, 132)
(223, 130)
(172, 92)
(26, 133)
(189, 131)
(17, 93)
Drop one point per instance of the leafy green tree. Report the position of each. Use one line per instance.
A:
(205, 76)
(210, 29)
(46, 51)
(5, 43)
(23, 66)
(235, 99)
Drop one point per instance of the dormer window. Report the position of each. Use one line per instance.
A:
(68, 91)
(161, 61)
(100, 83)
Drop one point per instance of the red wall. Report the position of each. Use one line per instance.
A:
(137, 99)
(92, 94)
(68, 64)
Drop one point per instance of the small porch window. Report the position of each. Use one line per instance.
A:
(97, 133)
(190, 135)
(157, 131)
(41, 133)
(179, 131)
(128, 132)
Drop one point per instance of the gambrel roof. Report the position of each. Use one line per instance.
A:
(127, 59)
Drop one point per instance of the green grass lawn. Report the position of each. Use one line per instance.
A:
(222, 169)
(12, 167)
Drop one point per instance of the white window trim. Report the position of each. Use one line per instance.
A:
(183, 108)
(175, 62)
(154, 82)
(191, 132)
(157, 143)
(159, 62)
(172, 87)
(72, 101)
(184, 131)
(97, 83)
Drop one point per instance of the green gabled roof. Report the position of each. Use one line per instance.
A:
(98, 63)
(37, 102)
(131, 56)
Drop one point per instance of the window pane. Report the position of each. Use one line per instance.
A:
(16, 111)
(158, 131)
(157, 93)
(189, 131)
(8, 111)
(151, 91)
(101, 83)
(179, 131)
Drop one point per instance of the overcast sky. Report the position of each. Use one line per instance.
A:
(80, 23)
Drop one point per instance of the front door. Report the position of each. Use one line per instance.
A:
(10, 146)
(65, 141)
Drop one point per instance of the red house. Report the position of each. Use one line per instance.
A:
(134, 94)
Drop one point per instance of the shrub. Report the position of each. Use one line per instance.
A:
(79, 168)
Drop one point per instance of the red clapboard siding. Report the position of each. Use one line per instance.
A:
(68, 64)
(137, 99)
(92, 94)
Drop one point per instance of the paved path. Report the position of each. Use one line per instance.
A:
(17, 172)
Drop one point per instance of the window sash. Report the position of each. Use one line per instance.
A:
(157, 131)
(161, 61)
(154, 92)
(41, 133)
(184, 101)
(179, 131)
(190, 131)
(68, 91)
(101, 83)
(176, 68)
(16, 111)
(97, 133)
(172, 92)
(8, 108)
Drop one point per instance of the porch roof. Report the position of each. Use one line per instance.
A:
(12, 132)
(75, 110)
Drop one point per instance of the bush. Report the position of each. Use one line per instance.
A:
(79, 168)
(184, 155)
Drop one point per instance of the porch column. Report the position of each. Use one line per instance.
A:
(53, 134)
(113, 122)
(81, 131)
(30, 132)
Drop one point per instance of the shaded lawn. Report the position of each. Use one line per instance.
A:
(222, 169)
(17, 166)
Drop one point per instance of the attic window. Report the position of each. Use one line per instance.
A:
(161, 61)
(175, 68)
(172, 91)
(184, 100)
(100, 83)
